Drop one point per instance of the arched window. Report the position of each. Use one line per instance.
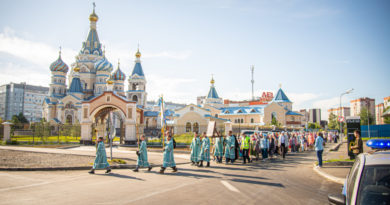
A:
(252, 120)
(292, 118)
(273, 116)
(99, 90)
(134, 86)
(188, 127)
(135, 98)
(216, 115)
(196, 127)
(69, 119)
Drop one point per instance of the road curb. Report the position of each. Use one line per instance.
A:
(328, 176)
(336, 147)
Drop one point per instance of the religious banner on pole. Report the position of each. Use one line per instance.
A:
(211, 129)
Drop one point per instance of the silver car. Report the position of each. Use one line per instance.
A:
(368, 181)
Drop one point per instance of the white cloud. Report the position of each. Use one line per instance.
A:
(11, 72)
(36, 52)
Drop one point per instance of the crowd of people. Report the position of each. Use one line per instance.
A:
(248, 147)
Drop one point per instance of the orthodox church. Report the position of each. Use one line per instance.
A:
(88, 78)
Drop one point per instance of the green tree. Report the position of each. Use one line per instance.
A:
(386, 120)
(275, 122)
(365, 115)
(333, 124)
(313, 125)
(16, 119)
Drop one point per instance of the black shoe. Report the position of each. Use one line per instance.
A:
(174, 169)
(92, 171)
(208, 164)
(108, 171)
(162, 170)
(136, 169)
(150, 168)
(201, 164)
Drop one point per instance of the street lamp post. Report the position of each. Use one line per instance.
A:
(347, 92)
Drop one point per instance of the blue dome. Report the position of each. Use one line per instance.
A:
(118, 75)
(103, 65)
(59, 66)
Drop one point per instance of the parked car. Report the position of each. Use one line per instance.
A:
(368, 181)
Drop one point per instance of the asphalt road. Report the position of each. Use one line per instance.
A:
(290, 181)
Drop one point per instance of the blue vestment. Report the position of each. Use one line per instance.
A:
(204, 154)
(168, 160)
(101, 158)
(195, 149)
(142, 160)
(218, 147)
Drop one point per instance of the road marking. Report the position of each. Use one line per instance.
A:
(229, 186)
(150, 194)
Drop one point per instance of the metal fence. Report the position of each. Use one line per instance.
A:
(42, 133)
(376, 131)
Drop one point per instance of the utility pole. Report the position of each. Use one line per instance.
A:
(253, 81)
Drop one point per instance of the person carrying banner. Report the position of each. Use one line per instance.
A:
(168, 159)
(142, 153)
(195, 149)
(101, 158)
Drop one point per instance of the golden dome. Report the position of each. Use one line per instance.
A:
(93, 17)
(212, 81)
(77, 69)
(109, 80)
(138, 54)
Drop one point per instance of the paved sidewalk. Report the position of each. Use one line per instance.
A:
(333, 172)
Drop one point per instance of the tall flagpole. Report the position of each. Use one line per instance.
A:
(162, 120)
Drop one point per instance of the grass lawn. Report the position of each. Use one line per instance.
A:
(180, 139)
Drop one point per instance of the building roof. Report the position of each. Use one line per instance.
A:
(92, 44)
(157, 113)
(212, 93)
(138, 70)
(118, 74)
(281, 96)
(75, 86)
(242, 110)
(59, 65)
(289, 112)
(216, 117)
(103, 65)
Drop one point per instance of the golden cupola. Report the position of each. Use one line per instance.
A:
(93, 17)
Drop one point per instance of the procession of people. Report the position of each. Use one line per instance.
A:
(248, 147)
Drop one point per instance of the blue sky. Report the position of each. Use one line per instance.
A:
(315, 49)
